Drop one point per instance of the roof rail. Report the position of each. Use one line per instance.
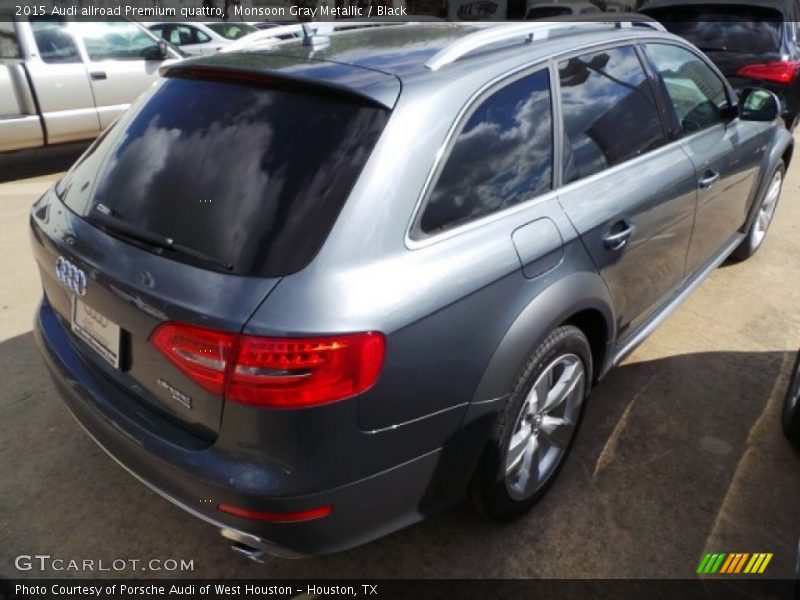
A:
(531, 31)
(309, 32)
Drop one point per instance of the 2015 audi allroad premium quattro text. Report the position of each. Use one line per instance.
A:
(340, 285)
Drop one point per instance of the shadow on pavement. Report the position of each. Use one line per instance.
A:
(41, 161)
(652, 468)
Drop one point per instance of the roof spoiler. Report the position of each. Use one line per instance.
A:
(269, 79)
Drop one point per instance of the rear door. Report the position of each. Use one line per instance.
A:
(122, 61)
(246, 180)
(629, 193)
(725, 151)
(61, 82)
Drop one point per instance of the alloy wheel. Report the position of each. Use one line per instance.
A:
(545, 426)
(767, 210)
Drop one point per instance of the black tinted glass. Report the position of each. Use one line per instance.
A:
(502, 156)
(610, 113)
(720, 28)
(547, 11)
(250, 176)
(54, 42)
(697, 94)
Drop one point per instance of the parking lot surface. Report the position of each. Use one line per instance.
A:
(680, 452)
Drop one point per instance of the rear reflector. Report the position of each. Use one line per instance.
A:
(777, 72)
(275, 372)
(290, 517)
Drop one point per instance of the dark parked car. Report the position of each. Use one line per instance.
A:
(791, 408)
(753, 42)
(334, 296)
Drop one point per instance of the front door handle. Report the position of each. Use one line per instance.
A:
(709, 180)
(98, 75)
(619, 235)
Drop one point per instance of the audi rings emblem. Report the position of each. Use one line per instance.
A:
(71, 276)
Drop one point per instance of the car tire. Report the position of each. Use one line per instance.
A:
(791, 406)
(765, 212)
(535, 431)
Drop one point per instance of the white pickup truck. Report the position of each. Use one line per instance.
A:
(63, 81)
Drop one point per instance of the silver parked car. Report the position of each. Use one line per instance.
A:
(196, 39)
(64, 81)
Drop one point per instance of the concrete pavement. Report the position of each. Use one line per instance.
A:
(680, 452)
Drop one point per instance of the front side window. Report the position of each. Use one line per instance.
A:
(117, 40)
(54, 41)
(609, 109)
(697, 94)
(502, 156)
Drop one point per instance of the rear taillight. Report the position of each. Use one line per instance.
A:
(777, 72)
(276, 372)
(200, 353)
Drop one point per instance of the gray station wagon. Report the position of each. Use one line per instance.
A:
(343, 284)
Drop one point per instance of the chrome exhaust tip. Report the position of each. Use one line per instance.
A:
(255, 548)
(254, 554)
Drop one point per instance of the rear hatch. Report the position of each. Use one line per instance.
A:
(733, 36)
(190, 210)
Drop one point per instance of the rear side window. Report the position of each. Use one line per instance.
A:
(609, 109)
(502, 156)
(9, 44)
(251, 176)
(696, 92)
(55, 42)
(720, 28)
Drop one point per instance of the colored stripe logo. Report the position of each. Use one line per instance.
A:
(734, 562)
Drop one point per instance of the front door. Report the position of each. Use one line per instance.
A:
(724, 150)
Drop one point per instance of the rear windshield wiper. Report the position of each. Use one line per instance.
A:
(116, 226)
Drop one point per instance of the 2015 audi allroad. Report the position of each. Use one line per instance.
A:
(338, 285)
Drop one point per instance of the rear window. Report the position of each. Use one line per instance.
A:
(724, 28)
(545, 12)
(249, 176)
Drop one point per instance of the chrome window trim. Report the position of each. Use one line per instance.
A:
(471, 105)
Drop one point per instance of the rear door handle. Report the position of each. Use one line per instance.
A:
(98, 75)
(618, 235)
(709, 180)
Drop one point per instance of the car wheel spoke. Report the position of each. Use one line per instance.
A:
(557, 431)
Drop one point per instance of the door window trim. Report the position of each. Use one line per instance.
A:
(654, 88)
(551, 63)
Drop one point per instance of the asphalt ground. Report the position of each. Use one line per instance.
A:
(680, 452)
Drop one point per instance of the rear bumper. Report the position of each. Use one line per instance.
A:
(185, 475)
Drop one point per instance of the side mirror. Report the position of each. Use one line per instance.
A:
(759, 105)
(163, 50)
